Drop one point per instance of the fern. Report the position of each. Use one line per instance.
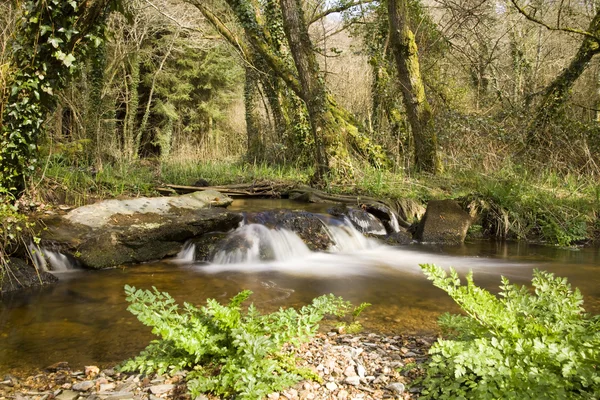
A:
(228, 351)
(519, 345)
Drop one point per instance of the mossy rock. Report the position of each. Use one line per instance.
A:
(444, 222)
(23, 275)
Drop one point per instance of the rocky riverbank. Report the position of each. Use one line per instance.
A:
(364, 366)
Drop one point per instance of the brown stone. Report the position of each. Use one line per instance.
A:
(444, 222)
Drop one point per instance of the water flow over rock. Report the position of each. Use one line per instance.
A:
(347, 238)
(255, 242)
(187, 253)
(49, 260)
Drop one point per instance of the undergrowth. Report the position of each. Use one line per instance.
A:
(228, 351)
(513, 202)
(523, 344)
(16, 232)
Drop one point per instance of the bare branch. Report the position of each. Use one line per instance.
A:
(553, 28)
(172, 19)
(340, 8)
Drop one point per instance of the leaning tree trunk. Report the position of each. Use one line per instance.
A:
(557, 92)
(334, 131)
(418, 110)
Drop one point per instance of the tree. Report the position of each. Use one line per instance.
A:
(338, 137)
(51, 38)
(557, 92)
(417, 107)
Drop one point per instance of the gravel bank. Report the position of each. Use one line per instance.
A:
(363, 366)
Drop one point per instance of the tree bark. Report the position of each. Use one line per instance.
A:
(418, 110)
(313, 90)
(255, 144)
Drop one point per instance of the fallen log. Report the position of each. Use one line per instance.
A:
(257, 189)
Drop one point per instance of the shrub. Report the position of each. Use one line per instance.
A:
(520, 345)
(16, 232)
(228, 352)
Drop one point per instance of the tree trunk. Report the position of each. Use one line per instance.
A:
(556, 94)
(255, 145)
(95, 109)
(131, 148)
(418, 110)
(313, 90)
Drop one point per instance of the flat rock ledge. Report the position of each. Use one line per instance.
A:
(352, 367)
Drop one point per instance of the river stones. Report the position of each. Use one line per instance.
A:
(306, 225)
(444, 222)
(362, 366)
(116, 232)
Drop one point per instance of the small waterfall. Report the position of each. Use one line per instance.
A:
(50, 261)
(253, 242)
(187, 253)
(346, 238)
(38, 257)
(394, 222)
(366, 222)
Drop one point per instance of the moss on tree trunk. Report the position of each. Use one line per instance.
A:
(417, 107)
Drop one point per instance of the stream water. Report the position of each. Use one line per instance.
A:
(83, 318)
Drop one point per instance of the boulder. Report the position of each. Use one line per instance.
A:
(444, 222)
(307, 225)
(206, 245)
(400, 237)
(116, 232)
(21, 275)
(103, 213)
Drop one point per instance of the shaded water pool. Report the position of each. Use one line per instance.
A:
(83, 318)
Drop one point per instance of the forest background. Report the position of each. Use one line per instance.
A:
(494, 103)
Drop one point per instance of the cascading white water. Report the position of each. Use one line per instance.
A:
(347, 238)
(394, 222)
(255, 242)
(366, 222)
(187, 253)
(50, 261)
(38, 257)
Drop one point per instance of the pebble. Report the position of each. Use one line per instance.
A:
(83, 386)
(352, 367)
(396, 387)
(352, 380)
(160, 389)
(67, 395)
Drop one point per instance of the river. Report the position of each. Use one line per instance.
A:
(83, 318)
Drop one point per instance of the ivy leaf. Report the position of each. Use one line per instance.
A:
(44, 29)
(69, 59)
(54, 41)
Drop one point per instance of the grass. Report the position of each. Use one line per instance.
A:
(513, 203)
(223, 173)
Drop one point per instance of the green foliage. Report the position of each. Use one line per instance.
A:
(194, 88)
(15, 230)
(520, 345)
(229, 352)
(186, 172)
(354, 326)
(546, 207)
(49, 42)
